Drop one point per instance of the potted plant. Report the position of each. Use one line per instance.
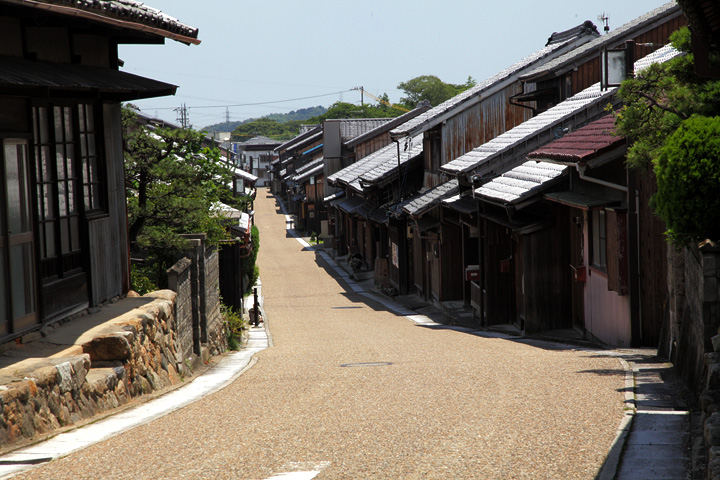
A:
(355, 261)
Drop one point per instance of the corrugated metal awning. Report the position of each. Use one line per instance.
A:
(19, 76)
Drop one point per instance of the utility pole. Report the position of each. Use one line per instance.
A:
(362, 94)
(182, 115)
(227, 115)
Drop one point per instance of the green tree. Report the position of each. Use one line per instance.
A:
(266, 127)
(349, 110)
(172, 182)
(658, 102)
(250, 269)
(432, 89)
(688, 177)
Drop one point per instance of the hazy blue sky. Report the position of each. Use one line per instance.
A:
(278, 50)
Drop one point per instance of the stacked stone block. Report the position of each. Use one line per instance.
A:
(139, 357)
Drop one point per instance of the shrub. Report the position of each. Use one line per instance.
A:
(235, 325)
(688, 177)
(141, 279)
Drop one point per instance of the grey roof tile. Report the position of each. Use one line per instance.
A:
(293, 142)
(568, 60)
(377, 163)
(432, 117)
(500, 153)
(308, 170)
(424, 201)
(521, 182)
(351, 128)
(129, 12)
(423, 107)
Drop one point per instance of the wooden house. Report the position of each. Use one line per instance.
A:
(348, 230)
(550, 83)
(581, 68)
(449, 131)
(617, 251)
(309, 181)
(293, 154)
(63, 239)
(504, 292)
(372, 187)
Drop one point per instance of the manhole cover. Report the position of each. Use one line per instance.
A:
(367, 364)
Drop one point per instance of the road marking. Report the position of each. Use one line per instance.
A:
(295, 476)
(313, 471)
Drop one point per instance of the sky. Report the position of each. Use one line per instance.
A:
(275, 56)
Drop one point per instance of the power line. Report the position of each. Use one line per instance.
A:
(256, 103)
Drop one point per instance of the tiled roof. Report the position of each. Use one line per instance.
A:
(569, 60)
(306, 171)
(424, 106)
(503, 152)
(467, 98)
(293, 142)
(423, 202)
(128, 14)
(307, 141)
(585, 143)
(259, 144)
(382, 161)
(353, 128)
(521, 182)
(245, 175)
(384, 169)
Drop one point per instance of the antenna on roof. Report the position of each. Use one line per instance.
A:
(604, 19)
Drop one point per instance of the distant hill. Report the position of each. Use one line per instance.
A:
(302, 114)
(295, 115)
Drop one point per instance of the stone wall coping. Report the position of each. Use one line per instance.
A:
(58, 345)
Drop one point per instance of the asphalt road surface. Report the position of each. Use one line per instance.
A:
(350, 390)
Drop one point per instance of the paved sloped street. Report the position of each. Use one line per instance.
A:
(354, 391)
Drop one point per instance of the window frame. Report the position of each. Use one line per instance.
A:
(598, 239)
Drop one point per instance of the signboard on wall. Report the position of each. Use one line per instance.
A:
(395, 260)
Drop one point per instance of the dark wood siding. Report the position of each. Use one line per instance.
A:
(588, 73)
(481, 123)
(499, 275)
(372, 145)
(452, 263)
(652, 263)
(546, 286)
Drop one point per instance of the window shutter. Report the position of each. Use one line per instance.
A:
(617, 251)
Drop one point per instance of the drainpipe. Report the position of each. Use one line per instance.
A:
(634, 261)
(397, 142)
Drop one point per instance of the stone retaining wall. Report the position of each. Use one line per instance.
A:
(696, 315)
(179, 282)
(141, 355)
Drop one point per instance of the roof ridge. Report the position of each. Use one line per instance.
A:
(585, 28)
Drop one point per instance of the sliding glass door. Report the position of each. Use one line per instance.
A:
(17, 268)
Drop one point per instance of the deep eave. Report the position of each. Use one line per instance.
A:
(124, 14)
(46, 79)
